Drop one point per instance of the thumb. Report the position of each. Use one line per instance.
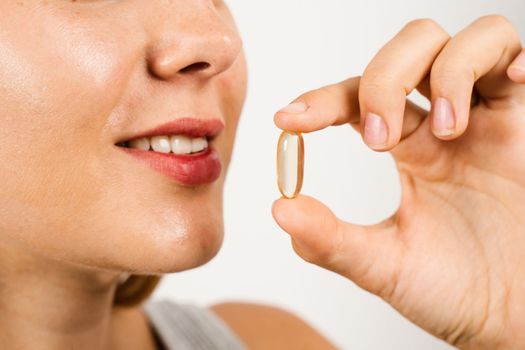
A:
(370, 256)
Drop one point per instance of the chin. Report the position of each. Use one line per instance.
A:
(172, 252)
(168, 232)
(189, 245)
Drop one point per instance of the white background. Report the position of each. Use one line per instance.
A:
(294, 46)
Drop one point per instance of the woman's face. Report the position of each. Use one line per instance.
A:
(79, 77)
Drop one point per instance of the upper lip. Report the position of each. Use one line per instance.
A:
(192, 127)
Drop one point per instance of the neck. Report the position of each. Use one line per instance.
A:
(47, 304)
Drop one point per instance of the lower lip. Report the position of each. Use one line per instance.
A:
(193, 169)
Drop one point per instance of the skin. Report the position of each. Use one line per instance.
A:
(263, 327)
(76, 77)
(452, 258)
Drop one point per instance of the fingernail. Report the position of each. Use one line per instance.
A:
(519, 63)
(443, 120)
(295, 108)
(376, 133)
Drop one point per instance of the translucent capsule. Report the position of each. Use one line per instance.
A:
(290, 163)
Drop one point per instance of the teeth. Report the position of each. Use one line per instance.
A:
(180, 144)
(177, 144)
(142, 144)
(198, 145)
(161, 144)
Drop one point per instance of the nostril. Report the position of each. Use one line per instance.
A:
(198, 66)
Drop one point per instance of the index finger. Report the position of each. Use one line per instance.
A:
(334, 104)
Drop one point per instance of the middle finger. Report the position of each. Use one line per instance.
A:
(395, 72)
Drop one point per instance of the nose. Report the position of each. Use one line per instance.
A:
(196, 43)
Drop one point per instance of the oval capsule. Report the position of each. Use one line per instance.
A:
(290, 163)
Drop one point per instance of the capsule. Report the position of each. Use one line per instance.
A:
(290, 163)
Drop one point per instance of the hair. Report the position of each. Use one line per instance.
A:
(135, 290)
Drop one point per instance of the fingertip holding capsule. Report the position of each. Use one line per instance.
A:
(290, 163)
(297, 107)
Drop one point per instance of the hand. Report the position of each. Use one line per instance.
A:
(452, 258)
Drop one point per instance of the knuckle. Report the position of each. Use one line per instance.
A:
(450, 68)
(430, 28)
(498, 20)
(304, 254)
(374, 83)
(309, 97)
(446, 75)
(314, 97)
(375, 79)
(318, 255)
(326, 92)
(501, 23)
(425, 24)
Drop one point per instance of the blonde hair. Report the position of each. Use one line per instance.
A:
(135, 290)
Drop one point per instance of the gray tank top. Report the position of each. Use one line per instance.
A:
(189, 327)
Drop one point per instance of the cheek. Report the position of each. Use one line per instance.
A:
(232, 89)
(57, 88)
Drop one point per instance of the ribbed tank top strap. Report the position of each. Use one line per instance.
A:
(190, 327)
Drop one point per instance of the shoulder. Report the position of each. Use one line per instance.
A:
(269, 327)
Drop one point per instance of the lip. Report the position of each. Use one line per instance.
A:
(188, 169)
(194, 169)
